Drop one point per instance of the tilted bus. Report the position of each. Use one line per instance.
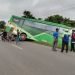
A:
(37, 30)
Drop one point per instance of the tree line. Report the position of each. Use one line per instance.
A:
(55, 19)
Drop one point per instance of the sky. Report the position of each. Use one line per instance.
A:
(39, 8)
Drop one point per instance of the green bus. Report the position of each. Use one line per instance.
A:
(37, 30)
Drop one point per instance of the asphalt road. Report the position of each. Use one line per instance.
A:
(28, 58)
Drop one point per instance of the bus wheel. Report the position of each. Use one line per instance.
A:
(23, 36)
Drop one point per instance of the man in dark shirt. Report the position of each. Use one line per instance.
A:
(65, 42)
(17, 37)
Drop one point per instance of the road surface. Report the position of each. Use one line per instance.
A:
(28, 58)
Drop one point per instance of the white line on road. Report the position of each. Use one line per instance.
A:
(17, 47)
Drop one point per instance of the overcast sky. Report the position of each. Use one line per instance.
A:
(40, 8)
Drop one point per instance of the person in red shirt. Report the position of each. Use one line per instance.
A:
(73, 41)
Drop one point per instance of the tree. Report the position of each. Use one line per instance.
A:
(60, 20)
(39, 18)
(27, 14)
(2, 24)
(55, 19)
(72, 23)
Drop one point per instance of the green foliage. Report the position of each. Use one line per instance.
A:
(60, 20)
(39, 18)
(55, 19)
(27, 14)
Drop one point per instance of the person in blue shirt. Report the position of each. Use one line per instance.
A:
(55, 35)
(65, 42)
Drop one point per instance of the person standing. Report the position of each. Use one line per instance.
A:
(10, 35)
(55, 42)
(73, 41)
(17, 37)
(65, 43)
(4, 35)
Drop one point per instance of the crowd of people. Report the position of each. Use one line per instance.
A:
(7, 36)
(65, 41)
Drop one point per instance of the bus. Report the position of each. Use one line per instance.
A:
(37, 30)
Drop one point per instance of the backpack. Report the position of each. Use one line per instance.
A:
(73, 36)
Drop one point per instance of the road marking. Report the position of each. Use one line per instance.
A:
(17, 47)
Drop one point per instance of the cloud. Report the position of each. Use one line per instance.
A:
(40, 8)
